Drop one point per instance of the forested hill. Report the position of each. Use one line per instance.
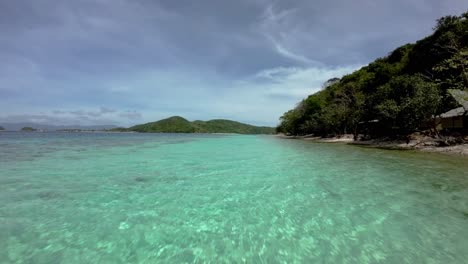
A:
(399, 93)
(177, 124)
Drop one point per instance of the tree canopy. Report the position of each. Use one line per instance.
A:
(400, 92)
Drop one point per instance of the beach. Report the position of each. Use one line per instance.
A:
(424, 144)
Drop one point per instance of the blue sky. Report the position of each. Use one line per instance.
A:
(131, 61)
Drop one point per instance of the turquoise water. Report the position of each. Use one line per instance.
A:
(154, 198)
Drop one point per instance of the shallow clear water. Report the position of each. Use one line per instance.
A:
(155, 198)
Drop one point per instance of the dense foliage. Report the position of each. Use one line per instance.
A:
(394, 95)
(177, 124)
(229, 126)
(1, 128)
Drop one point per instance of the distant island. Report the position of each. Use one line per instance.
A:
(28, 129)
(1, 128)
(51, 128)
(177, 124)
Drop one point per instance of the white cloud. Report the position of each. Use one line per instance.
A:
(272, 28)
(289, 54)
(105, 110)
(132, 115)
(300, 82)
(259, 99)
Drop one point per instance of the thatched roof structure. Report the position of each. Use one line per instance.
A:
(461, 96)
(454, 112)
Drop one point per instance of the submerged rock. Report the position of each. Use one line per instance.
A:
(141, 179)
(49, 195)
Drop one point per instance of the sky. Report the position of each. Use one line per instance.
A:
(124, 62)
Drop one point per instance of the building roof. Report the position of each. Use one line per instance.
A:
(454, 112)
(461, 96)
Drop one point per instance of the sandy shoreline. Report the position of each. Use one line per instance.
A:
(426, 145)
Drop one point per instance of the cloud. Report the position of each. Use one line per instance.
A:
(77, 113)
(269, 26)
(259, 98)
(89, 113)
(104, 115)
(299, 82)
(105, 110)
(132, 115)
(51, 119)
(289, 54)
(33, 118)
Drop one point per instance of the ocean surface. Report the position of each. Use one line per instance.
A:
(167, 198)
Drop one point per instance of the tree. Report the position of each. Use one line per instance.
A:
(446, 21)
(453, 70)
(408, 102)
(1, 128)
(330, 82)
(290, 122)
(345, 110)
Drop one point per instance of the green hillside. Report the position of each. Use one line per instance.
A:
(229, 126)
(394, 95)
(177, 124)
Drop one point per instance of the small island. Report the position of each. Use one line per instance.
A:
(28, 129)
(2, 128)
(177, 124)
